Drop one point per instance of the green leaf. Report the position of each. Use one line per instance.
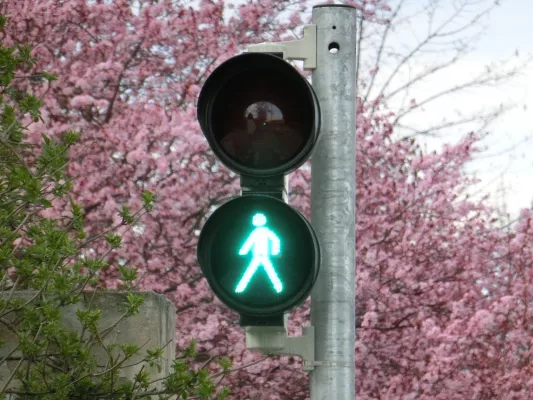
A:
(28, 345)
(31, 104)
(89, 319)
(133, 304)
(224, 393)
(127, 217)
(226, 364)
(114, 240)
(71, 137)
(46, 138)
(148, 200)
(206, 388)
(49, 77)
(127, 274)
(3, 22)
(46, 203)
(190, 351)
(128, 349)
(154, 357)
(94, 265)
(24, 54)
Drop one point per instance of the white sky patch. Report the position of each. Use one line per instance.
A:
(505, 167)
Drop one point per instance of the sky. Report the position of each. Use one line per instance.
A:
(505, 166)
(510, 28)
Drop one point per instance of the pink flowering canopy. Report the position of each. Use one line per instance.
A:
(442, 293)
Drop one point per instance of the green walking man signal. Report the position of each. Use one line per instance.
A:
(260, 256)
(258, 242)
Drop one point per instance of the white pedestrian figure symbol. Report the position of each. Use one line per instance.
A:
(259, 241)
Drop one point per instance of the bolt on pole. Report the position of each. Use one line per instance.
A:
(333, 204)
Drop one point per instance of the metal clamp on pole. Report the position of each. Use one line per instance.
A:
(304, 49)
(273, 340)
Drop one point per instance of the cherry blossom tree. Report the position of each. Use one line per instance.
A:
(425, 41)
(442, 293)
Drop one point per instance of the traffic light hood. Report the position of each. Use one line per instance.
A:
(260, 116)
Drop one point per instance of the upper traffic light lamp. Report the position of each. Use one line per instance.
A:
(261, 118)
(259, 114)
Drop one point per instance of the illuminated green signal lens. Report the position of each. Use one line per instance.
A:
(259, 255)
(263, 243)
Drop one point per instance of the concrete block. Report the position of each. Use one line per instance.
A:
(153, 326)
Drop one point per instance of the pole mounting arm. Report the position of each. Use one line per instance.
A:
(304, 49)
(272, 340)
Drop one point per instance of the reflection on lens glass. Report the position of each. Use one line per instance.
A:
(262, 118)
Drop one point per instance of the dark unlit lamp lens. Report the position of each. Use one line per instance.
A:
(259, 114)
(256, 124)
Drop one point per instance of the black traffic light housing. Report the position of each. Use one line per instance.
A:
(261, 118)
(222, 237)
(281, 103)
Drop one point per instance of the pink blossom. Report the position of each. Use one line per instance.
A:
(443, 294)
(81, 101)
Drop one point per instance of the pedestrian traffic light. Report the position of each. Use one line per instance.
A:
(261, 118)
(259, 255)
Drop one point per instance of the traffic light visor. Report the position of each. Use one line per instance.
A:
(259, 255)
(259, 114)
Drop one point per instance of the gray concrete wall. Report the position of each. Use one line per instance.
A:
(153, 326)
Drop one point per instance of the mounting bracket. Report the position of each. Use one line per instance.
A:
(304, 49)
(273, 340)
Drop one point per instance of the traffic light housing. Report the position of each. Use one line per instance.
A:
(261, 118)
(259, 101)
(230, 251)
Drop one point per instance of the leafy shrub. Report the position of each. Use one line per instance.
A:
(44, 250)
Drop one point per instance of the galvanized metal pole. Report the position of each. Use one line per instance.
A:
(333, 205)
